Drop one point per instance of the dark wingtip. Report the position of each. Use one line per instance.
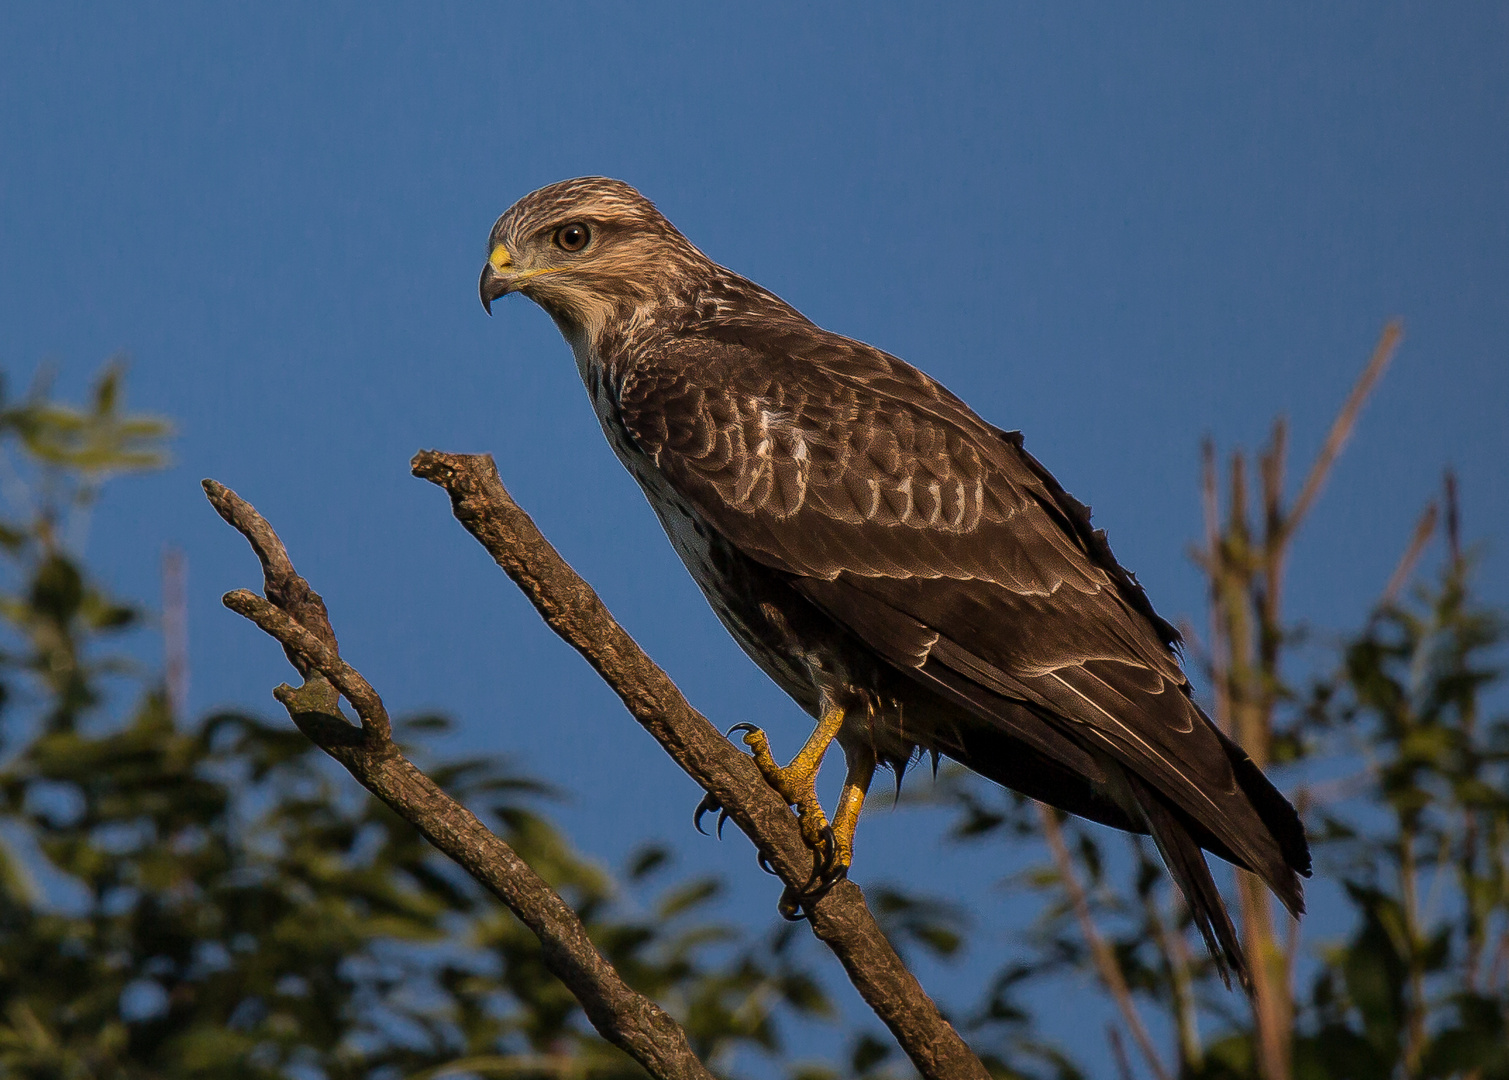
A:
(1283, 822)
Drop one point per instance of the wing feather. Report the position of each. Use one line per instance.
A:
(947, 548)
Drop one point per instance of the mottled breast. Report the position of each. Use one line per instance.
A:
(689, 533)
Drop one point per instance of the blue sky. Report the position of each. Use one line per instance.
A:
(1115, 228)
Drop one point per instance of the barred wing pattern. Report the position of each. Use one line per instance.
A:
(946, 548)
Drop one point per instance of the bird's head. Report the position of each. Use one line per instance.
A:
(583, 249)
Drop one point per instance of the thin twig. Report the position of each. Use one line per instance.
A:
(624, 1017)
(276, 623)
(1500, 964)
(1119, 1053)
(1105, 959)
(1302, 806)
(1341, 430)
(1453, 520)
(1214, 564)
(1424, 529)
(573, 610)
(1185, 1009)
(175, 631)
(280, 581)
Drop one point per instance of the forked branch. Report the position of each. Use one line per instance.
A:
(573, 610)
(293, 614)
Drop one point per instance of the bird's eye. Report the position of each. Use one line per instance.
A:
(572, 237)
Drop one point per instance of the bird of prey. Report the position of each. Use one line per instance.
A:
(903, 569)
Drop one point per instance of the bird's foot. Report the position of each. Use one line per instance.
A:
(832, 851)
(796, 783)
(829, 866)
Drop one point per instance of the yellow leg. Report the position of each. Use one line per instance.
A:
(797, 782)
(850, 803)
(832, 846)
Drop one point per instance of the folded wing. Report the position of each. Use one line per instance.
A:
(953, 554)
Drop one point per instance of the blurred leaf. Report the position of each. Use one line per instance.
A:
(217, 900)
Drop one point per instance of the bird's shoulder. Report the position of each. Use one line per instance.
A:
(785, 419)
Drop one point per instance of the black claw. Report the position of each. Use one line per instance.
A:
(764, 864)
(826, 871)
(708, 804)
(824, 859)
(833, 872)
(740, 727)
(794, 903)
(829, 880)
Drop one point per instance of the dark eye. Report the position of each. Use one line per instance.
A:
(572, 237)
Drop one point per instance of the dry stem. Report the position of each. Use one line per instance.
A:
(1106, 963)
(1245, 563)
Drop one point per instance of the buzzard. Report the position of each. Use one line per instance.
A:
(902, 568)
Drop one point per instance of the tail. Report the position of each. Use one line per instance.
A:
(1186, 865)
(1179, 841)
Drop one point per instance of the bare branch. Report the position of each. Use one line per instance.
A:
(623, 1016)
(280, 582)
(1453, 520)
(1106, 963)
(569, 606)
(277, 624)
(1119, 1053)
(1341, 429)
(1424, 529)
(1243, 558)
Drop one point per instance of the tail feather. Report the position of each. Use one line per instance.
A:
(1186, 864)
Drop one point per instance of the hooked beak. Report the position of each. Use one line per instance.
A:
(495, 280)
(492, 286)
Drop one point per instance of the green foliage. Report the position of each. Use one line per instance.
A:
(1418, 839)
(90, 444)
(1421, 986)
(214, 899)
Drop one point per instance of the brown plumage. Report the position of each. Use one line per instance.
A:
(893, 561)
